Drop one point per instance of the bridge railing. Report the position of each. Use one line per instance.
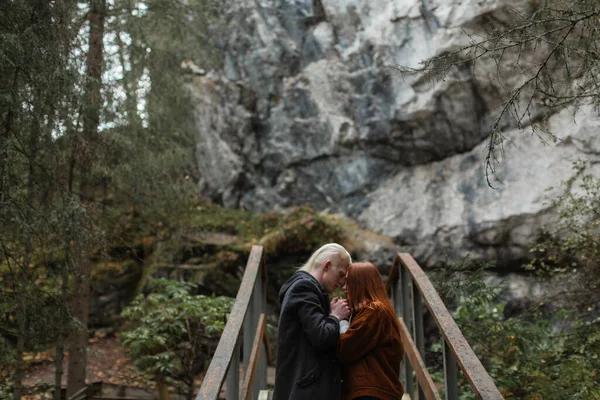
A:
(410, 288)
(245, 328)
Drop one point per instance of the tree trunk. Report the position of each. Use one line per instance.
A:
(163, 392)
(18, 376)
(77, 366)
(5, 143)
(190, 371)
(60, 344)
(29, 227)
(21, 274)
(58, 366)
(4, 195)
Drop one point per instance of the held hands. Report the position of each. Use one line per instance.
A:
(339, 308)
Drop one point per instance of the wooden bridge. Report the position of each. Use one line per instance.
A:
(409, 289)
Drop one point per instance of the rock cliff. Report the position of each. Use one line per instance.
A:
(310, 109)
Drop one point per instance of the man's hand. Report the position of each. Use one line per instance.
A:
(339, 308)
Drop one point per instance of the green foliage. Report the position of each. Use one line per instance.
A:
(537, 56)
(149, 163)
(72, 187)
(171, 332)
(242, 223)
(571, 247)
(541, 356)
(533, 356)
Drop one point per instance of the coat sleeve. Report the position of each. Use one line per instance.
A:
(363, 335)
(321, 329)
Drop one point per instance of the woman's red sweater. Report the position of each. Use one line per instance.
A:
(370, 353)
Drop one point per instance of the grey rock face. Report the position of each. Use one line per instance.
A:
(309, 109)
(449, 204)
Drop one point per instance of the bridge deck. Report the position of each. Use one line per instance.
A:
(409, 288)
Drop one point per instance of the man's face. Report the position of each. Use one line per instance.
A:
(335, 274)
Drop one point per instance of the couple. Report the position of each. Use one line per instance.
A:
(314, 359)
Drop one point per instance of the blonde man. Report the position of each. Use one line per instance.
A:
(309, 325)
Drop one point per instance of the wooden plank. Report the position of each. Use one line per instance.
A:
(468, 362)
(217, 370)
(423, 377)
(246, 393)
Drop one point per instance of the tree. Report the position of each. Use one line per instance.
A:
(156, 117)
(542, 58)
(89, 136)
(35, 86)
(570, 248)
(534, 355)
(172, 332)
(87, 159)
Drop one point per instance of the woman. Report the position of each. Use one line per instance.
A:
(370, 351)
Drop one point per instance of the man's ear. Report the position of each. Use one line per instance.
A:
(326, 265)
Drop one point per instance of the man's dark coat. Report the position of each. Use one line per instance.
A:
(307, 368)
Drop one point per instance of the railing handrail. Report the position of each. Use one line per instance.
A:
(466, 359)
(229, 342)
(412, 353)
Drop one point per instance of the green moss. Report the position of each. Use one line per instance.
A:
(300, 229)
(245, 224)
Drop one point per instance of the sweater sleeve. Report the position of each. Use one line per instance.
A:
(363, 335)
(321, 329)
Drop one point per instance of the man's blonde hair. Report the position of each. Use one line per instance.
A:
(324, 253)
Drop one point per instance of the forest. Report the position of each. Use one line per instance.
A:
(107, 235)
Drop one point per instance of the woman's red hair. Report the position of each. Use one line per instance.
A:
(365, 288)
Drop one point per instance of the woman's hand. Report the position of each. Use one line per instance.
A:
(339, 308)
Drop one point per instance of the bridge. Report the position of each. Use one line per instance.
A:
(244, 373)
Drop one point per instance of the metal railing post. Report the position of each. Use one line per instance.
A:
(411, 291)
(260, 302)
(418, 331)
(261, 373)
(397, 288)
(241, 329)
(249, 331)
(450, 373)
(233, 374)
(407, 317)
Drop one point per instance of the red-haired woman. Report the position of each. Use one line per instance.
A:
(370, 351)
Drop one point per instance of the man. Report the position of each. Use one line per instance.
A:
(309, 325)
